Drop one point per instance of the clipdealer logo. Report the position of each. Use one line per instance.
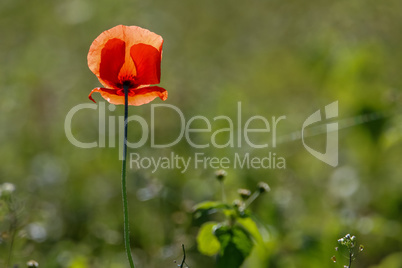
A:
(238, 135)
(331, 151)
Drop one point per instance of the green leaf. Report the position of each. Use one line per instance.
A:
(207, 242)
(208, 205)
(236, 245)
(251, 227)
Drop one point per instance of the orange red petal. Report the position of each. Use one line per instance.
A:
(147, 60)
(135, 97)
(131, 35)
(113, 57)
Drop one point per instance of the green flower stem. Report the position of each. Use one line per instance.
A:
(251, 199)
(12, 228)
(123, 183)
(350, 258)
(223, 192)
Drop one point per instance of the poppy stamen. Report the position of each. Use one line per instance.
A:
(127, 83)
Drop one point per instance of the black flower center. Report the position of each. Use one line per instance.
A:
(127, 83)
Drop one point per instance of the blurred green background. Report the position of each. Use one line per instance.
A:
(275, 57)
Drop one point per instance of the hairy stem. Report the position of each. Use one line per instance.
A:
(350, 258)
(251, 199)
(123, 183)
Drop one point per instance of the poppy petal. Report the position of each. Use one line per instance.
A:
(131, 35)
(147, 94)
(136, 97)
(112, 59)
(102, 91)
(137, 35)
(147, 60)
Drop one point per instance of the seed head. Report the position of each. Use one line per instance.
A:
(237, 203)
(32, 264)
(263, 187)
(244, 193)
(220, 174)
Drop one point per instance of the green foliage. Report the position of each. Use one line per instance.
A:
(232, 244)
(251, 227)
(210, 206)
(233, 239)
(236, 245)
(208, 243)
(348, 244)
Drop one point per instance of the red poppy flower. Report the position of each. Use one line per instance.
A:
(127, 56)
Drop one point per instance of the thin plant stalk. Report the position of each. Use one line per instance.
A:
(223, 192)
(12, 230)
(350, 258)
(251, 199)
(184, 257)
(123, 183)
(10, 252)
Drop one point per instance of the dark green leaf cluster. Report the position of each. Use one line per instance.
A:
(232, 239)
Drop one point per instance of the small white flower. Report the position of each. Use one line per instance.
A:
(8, 187)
